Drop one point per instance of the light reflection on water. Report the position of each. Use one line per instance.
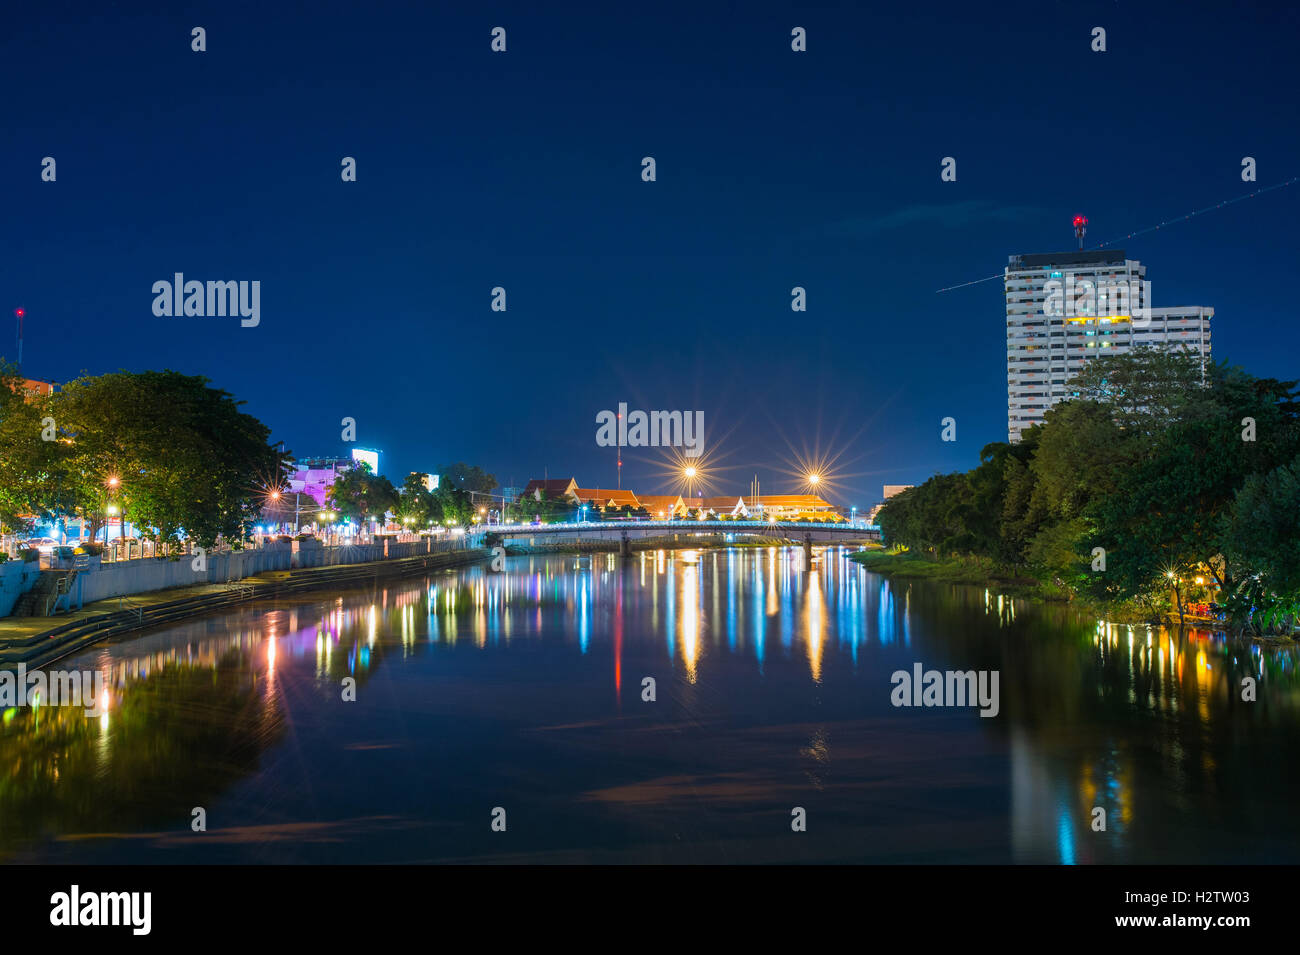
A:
(476, 689)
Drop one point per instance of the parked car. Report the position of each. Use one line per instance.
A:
(45, 545)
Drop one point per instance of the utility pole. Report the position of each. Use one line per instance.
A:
(19, 313)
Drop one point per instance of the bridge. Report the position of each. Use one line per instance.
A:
(624, 532)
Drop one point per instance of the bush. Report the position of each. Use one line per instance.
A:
(29, 554)
(94, 549)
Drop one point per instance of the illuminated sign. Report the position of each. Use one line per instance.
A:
(371, 458)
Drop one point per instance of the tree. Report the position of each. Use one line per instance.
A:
(360, 495)
(173, 453)
(1147, 389)
(418, 503)
(1166, 465)
(454, 503)
(1169, 508)
(1262, 532)
(28, 463)
(466, 477)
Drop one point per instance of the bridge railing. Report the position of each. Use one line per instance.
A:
(569, 527)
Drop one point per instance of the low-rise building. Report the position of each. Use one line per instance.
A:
(551, 489)
(663, 506)
(784, 507)
(604, 497)
(315, 476)
(723, 505)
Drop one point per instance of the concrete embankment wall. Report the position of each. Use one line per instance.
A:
(124, 578)
(16, 578)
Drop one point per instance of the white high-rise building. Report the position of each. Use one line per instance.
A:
(1065, 307)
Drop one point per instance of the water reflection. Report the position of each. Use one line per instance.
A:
(774, 678)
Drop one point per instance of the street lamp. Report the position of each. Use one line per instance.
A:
(112, 510)
(690, 472)
(113, 482)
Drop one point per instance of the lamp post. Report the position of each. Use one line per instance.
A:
(112, 507)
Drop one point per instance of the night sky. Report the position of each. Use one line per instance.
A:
(523, 170)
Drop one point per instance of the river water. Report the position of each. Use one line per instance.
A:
(516, 699)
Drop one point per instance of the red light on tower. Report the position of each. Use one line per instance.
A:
(1080, 228)
(19, 313)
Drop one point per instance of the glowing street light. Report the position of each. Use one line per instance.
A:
(814, 479)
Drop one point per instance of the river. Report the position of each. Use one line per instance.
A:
(515, 701)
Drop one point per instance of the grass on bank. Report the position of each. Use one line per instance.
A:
(979, 571)
(983, 572)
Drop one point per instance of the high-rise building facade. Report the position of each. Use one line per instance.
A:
(1066, 307)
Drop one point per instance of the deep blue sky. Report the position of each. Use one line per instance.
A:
(522, 169)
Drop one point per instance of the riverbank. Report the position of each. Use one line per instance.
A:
(981, 572)
(38, 641)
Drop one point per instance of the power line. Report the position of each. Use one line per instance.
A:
(1219, 205)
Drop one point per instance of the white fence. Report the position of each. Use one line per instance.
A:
(99, 580)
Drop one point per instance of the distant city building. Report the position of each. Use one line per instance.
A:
(668, 506)
(315, 476)
(788, 506)
(663, 506)
(889, 491)
(551, 489)
(430, 481)
(604, 497)
(725, 505)
(35, 388)
(1063, 308)
(362, 455)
